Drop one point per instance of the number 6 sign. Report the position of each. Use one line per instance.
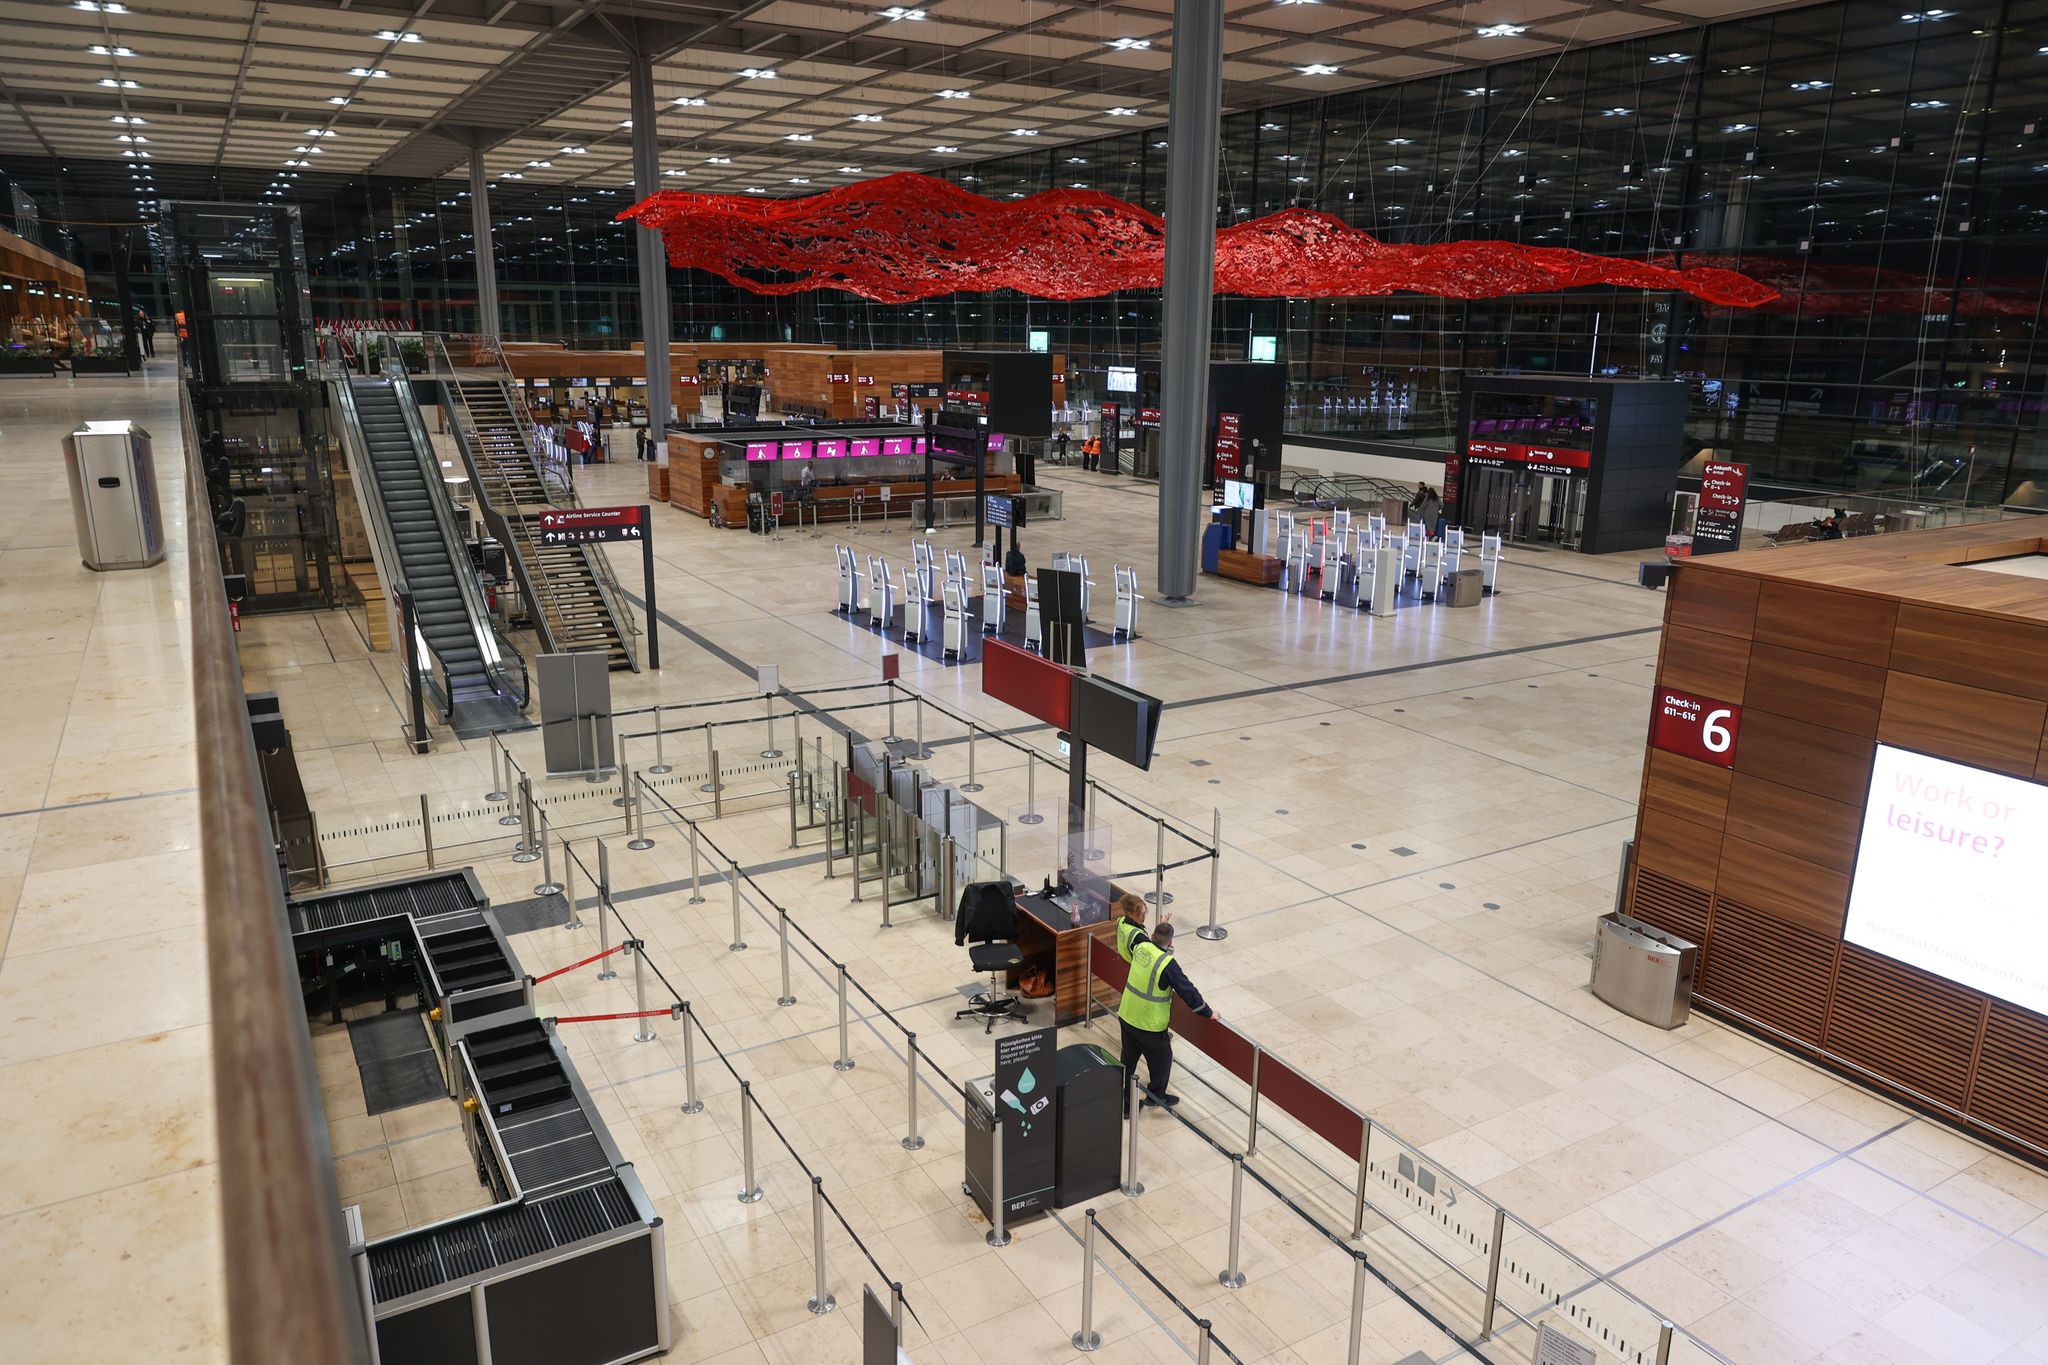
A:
(1695, 727)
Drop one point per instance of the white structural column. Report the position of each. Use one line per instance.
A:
(1194, 129)
(485, 253)
(653, 255)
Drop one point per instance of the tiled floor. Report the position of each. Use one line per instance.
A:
(107, 1159)
(1421, 819)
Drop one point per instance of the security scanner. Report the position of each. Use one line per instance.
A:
(881, 593)
(1127, 600)
(1034, 622)
(953, 628)
(566, 1262)
(1431, 574)
(849, 580)
(1489, 564)
(995, 602)
(913, 614)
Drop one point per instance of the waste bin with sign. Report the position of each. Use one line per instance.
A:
(1643, 971)
(113, 496)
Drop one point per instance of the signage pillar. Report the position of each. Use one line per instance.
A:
(1194, 124)
(1717, 522)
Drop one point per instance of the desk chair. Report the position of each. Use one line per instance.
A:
(988, 916)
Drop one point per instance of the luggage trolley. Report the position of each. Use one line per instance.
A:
(995, 601)
(881, 593)
(1127, 600)
(1489, 565)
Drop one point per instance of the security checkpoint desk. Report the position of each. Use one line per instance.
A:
(1047, 937)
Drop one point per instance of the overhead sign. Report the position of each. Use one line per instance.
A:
(1542, 459)
(1148, 417)
(1695, 727)
(1717, 524)
(592, 525)
(1227, 463)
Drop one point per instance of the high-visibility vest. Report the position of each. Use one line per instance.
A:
(1147, 1003)
(1127, 930)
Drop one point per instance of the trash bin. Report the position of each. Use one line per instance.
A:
(1643, 971)
(1090, 1108)
(113, 496)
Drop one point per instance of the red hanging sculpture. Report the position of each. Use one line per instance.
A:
(906, 237)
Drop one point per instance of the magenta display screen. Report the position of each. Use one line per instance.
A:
(863, 447)
(761, 450)
(896, 445)
(796, 450)
(995, 441)
(920, 445)
(834, 449)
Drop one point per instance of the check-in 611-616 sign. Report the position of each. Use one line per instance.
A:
(591, 525)
(1695, 727)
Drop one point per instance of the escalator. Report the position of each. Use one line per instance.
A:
(476, 677)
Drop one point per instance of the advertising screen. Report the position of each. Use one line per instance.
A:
(865, 446)
(796, 450)
(760, 450)
(1239, 493)
(1949, 873)
(833, 449)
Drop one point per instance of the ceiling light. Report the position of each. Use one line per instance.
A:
(799, 180)
(129, 118)
(757, 73)
(113, 84)
(368, 73)
(1666, 58)
(798, 137)
(511, 175)
(290, 162)
(1161, 143)
(690, 101)
(1502, 31)
(1616, 112)
(1078, 185)
(675, 172)
(945, 149)
(1928, 104)
(100, 50)
(543, 165)
(1397, 168)
(1023, 132)
(310, 132)
(1077, 161)
(395, 36)
(850, 170)
(720, 160)
(1130, 44)
(1298, 2)
(1738, 127)
(337, 99)
(1316, 69)
(867, 118)
(753, 189)
(575, 151)
(1479, 92)
(895, 12)
(1921, 16)
(625, 123)
(952, 94)
(1399, 141)
(1300, 179)
(99, 8)
(126, 137)
(1514, 151)
(1121, 112)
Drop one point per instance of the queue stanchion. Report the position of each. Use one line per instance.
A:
(973, 733)
(738, 944)
(1030, 815)
(696, 879)
(788, 996)
(844, 1062)
(771, 751)
(1251, 1138)
(1353, 1354)
(860, 845)
(912, 1140)
(821, 1302)
(792, 807)
(999, 1216)
(1232, 1277)
(1088, 1339)
(1364, 1168)
(1500, 1228)
(569, 885)
(604, 901)
(497, 791)
(1213, 931)
(640, 841)
(638, 950)
(710, 760)
(691, 1104)
(548, 885)
(1131, 1187)
(661, 763)
(524, 851)
(1160, 900)
(717, 790)
(427, 831)
(750, 1192)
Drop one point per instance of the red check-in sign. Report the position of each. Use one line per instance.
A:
(1695, 727)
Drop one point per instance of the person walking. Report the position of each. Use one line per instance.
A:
(1060, 444)
(1429, 510)
(1145, 1013)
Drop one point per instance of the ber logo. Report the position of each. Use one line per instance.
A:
(1695, 727)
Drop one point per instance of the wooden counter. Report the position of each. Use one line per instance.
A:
(1248, 568)
(1047, 938)
(835, 501)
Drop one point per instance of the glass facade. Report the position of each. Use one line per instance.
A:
(1884, 169)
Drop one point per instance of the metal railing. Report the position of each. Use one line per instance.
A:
(289, 1291)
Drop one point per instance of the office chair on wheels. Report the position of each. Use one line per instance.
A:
(988, 916)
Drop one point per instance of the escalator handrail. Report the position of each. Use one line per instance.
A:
(488, 642)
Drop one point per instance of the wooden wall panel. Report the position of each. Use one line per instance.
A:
(1677, 848)
(1794, 821)
(1686, 788)
(1701, 599)
(1705, 663)
(1841, 625)
(1905, 1023)
(1968, 724)
(1812, 758)
(1672, 906)
(2007, 1089)
(1990, 652)
(1837, 693)
(1784, 885)
(1765, 968)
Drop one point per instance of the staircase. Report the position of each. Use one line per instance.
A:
(425, 558)
(574, 606)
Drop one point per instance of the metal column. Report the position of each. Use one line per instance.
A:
(653, 257)
(1194, 131)
(486, 252)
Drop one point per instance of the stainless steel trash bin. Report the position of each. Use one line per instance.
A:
(1461, 589)
(1643, 971)
(113, 496)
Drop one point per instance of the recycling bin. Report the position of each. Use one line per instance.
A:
(1643, 971)
(113, 496)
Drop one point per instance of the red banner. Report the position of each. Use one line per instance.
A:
(1695, 727)
(1034, 685)
(1498, 452)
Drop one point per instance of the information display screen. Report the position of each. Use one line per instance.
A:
(832, 449)
(895, 445)
(1949, 873)
(864, 446)
(761, 450)
(796, 450)
(1239, 493)
(1122, 379)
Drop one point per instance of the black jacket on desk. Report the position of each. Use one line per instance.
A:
(1176, 980)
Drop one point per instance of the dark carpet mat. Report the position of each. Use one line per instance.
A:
(396, 1061)
(932, 646)
(523, 917)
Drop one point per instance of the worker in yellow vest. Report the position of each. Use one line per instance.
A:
(1146, 1010)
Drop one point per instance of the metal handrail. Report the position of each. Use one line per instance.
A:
(290, 1294)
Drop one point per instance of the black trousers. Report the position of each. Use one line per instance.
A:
(1155, 1048)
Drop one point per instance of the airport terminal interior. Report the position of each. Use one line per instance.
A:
(719, 681)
